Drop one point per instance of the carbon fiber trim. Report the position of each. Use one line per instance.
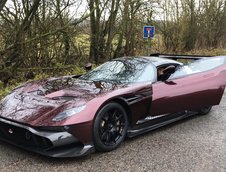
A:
(47, 143)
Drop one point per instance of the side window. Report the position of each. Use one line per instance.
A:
(198, 66)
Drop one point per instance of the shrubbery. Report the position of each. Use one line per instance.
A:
(40, 75)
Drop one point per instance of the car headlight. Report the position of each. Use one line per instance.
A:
(67, 113)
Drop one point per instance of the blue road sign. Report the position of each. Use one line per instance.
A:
(149, 31)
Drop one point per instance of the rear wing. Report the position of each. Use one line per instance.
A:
(177, 57)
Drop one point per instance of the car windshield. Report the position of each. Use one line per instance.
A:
(122, 71)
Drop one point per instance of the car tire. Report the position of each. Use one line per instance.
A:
(110, 127)
(205, 110)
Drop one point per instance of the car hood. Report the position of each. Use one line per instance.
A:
(37, 102)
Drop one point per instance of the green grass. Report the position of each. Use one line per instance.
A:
(5, 91)
(208, 52)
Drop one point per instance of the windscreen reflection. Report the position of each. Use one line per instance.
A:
(122, 71)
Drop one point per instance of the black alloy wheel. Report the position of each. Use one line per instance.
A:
(110, 127)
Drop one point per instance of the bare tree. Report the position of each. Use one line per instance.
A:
(2, 4)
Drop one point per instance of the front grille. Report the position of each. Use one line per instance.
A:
(23, 137)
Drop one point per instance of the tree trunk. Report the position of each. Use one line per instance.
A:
(14, 56)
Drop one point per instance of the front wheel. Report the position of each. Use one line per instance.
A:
(205, 110)
(110, 127)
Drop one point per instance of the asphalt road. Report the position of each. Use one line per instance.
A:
(194, 144)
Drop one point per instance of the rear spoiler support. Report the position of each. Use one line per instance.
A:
(177, 56)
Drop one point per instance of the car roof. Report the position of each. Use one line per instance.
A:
(156, 61)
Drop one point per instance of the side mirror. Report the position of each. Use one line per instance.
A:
(88, 67)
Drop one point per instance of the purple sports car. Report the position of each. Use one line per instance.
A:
(72, 116)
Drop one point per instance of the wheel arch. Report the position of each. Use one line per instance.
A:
(121, 101)
(125, 106)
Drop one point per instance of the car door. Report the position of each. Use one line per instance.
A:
(193, 86)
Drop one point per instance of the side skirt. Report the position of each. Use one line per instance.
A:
(152, 123)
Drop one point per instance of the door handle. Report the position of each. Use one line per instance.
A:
(170, 83)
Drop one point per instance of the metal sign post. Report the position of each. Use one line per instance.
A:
(149, 32)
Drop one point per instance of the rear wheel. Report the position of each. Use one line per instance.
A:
(110, 127)
(205, 110)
